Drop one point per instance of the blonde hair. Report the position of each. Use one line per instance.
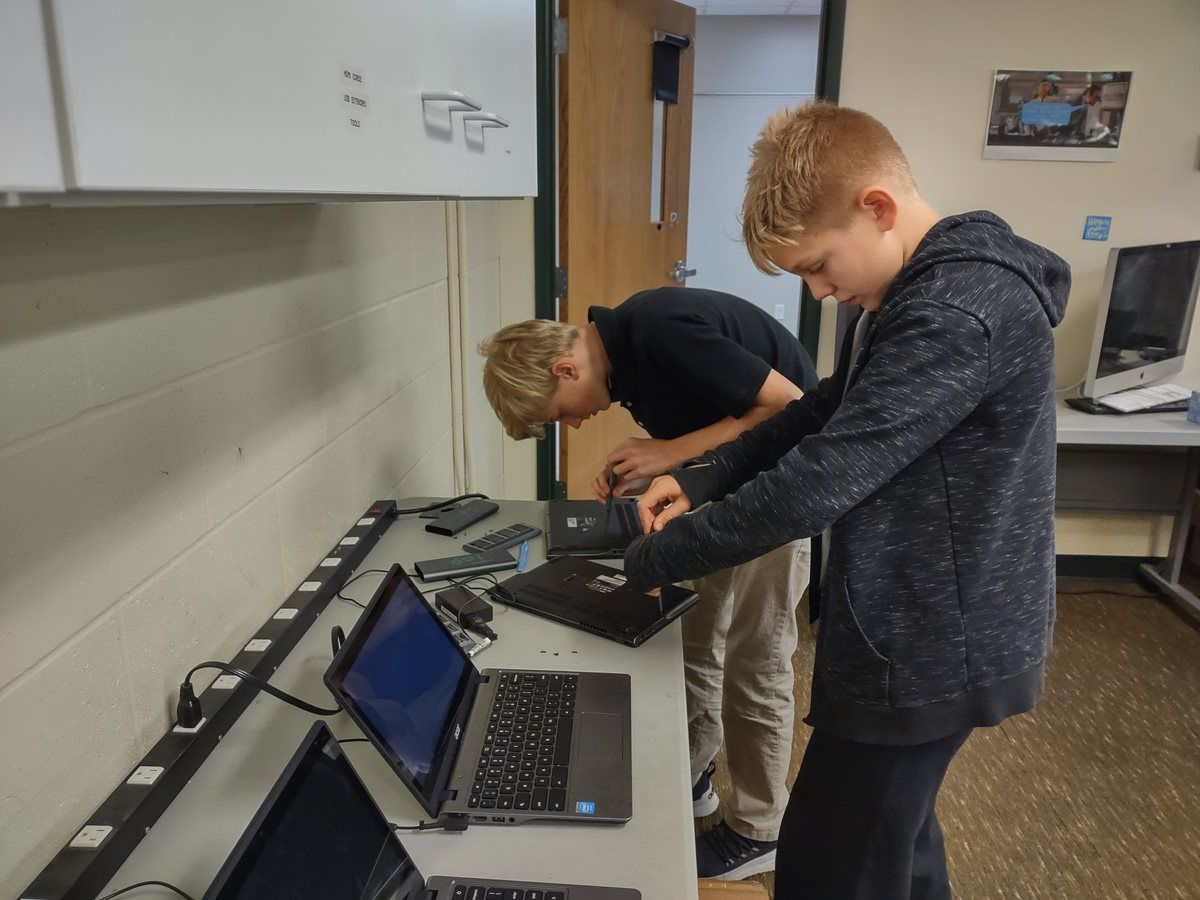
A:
(806, 167)
(516, 374)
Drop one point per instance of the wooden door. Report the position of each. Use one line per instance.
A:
(609, 243)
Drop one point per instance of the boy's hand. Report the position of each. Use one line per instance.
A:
(642, 458)
(626, 487)
(663, 501)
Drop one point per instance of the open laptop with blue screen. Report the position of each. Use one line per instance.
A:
(320, 836)
(497, 746)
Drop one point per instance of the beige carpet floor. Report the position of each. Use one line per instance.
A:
(1096, 793)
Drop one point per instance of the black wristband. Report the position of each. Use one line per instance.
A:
(698, 480)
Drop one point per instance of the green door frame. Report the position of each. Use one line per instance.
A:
(545, 221)
(829, 80)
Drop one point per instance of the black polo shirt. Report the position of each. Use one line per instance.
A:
(684, 358)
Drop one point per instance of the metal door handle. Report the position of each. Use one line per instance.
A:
(460, 100)
(486, 119)
(681, 272)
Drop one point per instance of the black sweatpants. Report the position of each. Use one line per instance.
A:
(861, 824)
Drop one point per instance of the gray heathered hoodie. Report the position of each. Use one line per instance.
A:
(935, 473)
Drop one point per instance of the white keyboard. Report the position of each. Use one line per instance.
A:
(1145, 397)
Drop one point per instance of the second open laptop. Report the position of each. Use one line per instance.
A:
(319, 835)
(499, 746)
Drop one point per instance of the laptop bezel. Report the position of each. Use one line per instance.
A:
(320, 734)
(431, 793)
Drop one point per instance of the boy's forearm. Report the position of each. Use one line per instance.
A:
(702, 440)
(753, 450)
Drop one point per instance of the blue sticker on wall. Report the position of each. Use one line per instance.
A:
(585, 808)
(1095, 228)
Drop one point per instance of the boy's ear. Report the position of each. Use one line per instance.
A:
(565, 368)
(881, 204)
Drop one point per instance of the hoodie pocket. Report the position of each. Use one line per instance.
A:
(851, 668)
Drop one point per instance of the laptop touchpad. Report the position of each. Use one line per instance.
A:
(600, 736)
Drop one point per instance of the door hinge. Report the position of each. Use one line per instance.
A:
(560, 35)
(560, 283)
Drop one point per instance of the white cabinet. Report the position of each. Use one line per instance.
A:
(307, 97)
(29, 154)
(496, 37)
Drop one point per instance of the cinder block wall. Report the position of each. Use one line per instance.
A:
(196, 402)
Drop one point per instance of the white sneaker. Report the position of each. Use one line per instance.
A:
(704, 799)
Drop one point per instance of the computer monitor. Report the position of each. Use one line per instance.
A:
(1145, 316)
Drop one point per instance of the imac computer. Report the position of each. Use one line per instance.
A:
(1142, 326)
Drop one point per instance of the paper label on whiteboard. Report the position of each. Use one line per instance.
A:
(358, 103)
(353, 76)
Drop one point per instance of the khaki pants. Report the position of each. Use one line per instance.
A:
(738, 642)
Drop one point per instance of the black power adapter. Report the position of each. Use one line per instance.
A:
(467, 608)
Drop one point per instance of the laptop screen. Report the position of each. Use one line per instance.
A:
(318, 834)
(403, 677)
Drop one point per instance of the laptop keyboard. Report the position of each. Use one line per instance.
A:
(483, 892)
(525, 760)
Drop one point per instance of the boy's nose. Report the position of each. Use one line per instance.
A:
(821, 288)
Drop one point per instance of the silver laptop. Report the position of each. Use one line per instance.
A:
(499, 746)
(319, 835)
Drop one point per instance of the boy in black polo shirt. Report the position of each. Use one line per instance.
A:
(695, 368)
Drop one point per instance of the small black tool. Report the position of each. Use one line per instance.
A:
(612, 486)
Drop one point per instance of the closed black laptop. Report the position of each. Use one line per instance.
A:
(593, 597)
(587, 529)
(320, 836)
(498, 746)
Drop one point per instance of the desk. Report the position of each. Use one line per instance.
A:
(654, 852)
(1148, 430)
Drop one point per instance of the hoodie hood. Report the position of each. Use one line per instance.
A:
(983, 237)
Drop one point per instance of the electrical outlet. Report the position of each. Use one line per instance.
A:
(226, 682)
(309, 586)
(367, 521)
(145, 775)
(348, 542)
(258, 645)
(91, 837)
(179, 729)
(330, 561)
(286, 613)
(779, 311)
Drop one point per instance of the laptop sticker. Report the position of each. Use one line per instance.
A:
(606, 584)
